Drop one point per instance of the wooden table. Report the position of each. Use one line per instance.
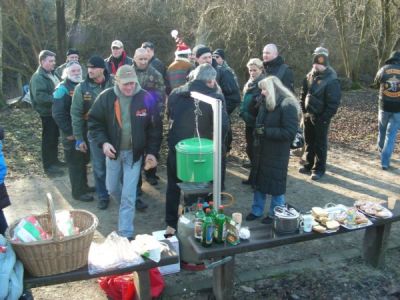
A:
(140, 273)
(264, 237)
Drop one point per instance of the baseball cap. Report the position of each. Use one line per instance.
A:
(125, 74)
(117, 43)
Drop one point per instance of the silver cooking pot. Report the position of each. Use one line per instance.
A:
(286, 220)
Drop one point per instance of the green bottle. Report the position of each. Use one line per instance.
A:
(213, 211)
(198, 222)
(207, 230)
(220, 226)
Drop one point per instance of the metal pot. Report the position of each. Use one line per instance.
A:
(286, 220)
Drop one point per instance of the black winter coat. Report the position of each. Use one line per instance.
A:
(180, 110)
(272, 68)
(272, 153)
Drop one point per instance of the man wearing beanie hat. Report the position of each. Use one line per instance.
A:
(117, 58)
(96, 81)
(319, 100)
(388, 79)
(125, 122)
(72, 55)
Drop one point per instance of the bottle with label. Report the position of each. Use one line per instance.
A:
(207, 230)
(198, 222)
(220, 226)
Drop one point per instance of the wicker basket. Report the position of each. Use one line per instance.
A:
(54, 256)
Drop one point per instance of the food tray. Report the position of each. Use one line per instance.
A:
(383, 209)
(340, 208)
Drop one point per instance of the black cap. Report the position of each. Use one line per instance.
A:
(219, 52)
(200, 51)
(96, 62)
(72, 51)
(148, 45)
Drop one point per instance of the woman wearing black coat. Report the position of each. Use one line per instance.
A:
(276, 126)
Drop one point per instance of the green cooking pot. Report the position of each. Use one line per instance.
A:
(194, 160)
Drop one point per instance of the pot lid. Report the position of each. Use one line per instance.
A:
(195, 146)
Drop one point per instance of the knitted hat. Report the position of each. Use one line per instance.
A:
(125, 74)
(202, 50)
(148, 45)
(96, 62)
(320, 56)
(72, 51)
(117, 44)
(220, 53)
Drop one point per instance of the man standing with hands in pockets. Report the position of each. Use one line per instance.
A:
(125, 122)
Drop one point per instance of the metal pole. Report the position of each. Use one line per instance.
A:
(216, 105)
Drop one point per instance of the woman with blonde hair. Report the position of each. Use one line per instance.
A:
(248, 112)
(275, 128)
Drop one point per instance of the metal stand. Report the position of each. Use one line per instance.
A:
(216, 105)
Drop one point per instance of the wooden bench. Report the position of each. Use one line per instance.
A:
(140, 274)
(264, 237)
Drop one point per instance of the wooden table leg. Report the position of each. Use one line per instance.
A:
(375, 243)
(142, 285)
(223, 276)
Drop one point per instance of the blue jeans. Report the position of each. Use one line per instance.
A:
(259, 200)
(389, 124)
(122, 178)
(99, 170)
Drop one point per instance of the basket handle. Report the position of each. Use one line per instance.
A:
(52, 213)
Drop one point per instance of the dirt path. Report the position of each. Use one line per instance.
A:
(351, 175)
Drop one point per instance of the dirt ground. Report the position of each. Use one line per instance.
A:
(329, 268)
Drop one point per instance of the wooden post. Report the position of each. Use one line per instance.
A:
(223, 276)
(142, 285)
(375, 243)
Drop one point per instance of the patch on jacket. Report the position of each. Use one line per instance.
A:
(141, 112)
(87, 96)
(392, 87)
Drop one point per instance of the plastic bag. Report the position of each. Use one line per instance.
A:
(148, 246)
(29, 230)
(114, 253)
(122, 287)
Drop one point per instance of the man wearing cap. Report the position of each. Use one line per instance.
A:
(117, 58)
(180, 68)
(125, 122)
(152, 82)
(274, 64)
(72, 55)
(181, 113)
(388, 79)
(41, 89)
(96, 81)
(76, 161)
(319, 100)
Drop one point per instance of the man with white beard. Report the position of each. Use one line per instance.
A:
(76, 160)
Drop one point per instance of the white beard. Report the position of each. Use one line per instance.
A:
(77, 78)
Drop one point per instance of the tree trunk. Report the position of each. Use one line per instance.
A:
(384, 36)
(338, 6)
(364, 26)
(61, 29)
(2, 100)
(73, 33)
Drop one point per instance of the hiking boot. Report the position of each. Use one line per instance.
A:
(61, 164)
(252, 217)
(316, 176)
(267, 220)
(103, 204)
(53, 171)
(84, 197)
(140, 205)
(385, 168)
(304, 170)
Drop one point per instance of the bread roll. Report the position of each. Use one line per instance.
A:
(332, 225)
(319, 228)
(319, 212)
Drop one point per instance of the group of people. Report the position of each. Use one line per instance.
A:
(111, 111)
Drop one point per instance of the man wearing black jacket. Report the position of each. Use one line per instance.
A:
(319, 100)
(125, 122)
(274, 64)
(180, 110)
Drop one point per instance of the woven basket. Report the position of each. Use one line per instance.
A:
(54, 256)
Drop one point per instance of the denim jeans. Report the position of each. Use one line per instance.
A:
(99, 170)
(389, 124)
(259, 200)
(122, 178)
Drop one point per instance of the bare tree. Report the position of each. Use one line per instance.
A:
(73, 32)
(2, 101)
(61, 28)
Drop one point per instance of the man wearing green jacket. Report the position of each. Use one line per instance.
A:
(41, 89)
(97, 80)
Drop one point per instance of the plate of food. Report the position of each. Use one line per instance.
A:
(324, 219)
(373, 209)
(351, 218)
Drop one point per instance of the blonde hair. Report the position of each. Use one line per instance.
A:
(255, 62)
(274, 86)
